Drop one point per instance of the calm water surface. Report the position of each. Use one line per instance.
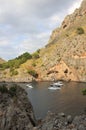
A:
(68, 99)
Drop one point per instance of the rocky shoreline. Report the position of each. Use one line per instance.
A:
(62, 122)
(16, 113)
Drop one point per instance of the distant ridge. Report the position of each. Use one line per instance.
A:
(2, 61)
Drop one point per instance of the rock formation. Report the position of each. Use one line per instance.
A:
(66, 49)
(63, 122)
(16, 112)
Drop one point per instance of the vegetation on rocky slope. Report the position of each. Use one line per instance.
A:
(15, 63)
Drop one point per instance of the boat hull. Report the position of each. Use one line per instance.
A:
(54, 88)
(29, 86)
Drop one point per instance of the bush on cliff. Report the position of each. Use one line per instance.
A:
(35, 55)
(11, 90)
(13, 72)
(80, 30)
(33, 73)
(84, 91)
(3, 89)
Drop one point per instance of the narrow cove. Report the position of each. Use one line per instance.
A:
(69, 99)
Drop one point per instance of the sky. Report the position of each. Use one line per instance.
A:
(26, 25)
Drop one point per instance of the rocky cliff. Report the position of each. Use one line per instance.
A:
(16, 112)
(63, 122)
(64, 57)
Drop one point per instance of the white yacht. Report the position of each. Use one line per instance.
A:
(56, 85)
(29, 86)
(59, 83)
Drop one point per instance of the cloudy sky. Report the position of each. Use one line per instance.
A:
(25, 25)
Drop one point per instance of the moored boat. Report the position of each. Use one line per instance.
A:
(56, 85)
(29, 86)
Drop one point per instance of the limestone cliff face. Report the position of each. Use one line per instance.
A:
(66, 49)
(70, 21)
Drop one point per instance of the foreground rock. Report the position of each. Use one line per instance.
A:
(16, 112)
(63, 122)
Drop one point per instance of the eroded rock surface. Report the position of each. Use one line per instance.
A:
(16, 112)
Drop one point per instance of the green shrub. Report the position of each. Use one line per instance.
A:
(80, 30)
(33, 73)
(33, 64)
(35, 55)
(38, 50)
(25, 56)
(84, 91)
(14, 72)
(12, 90)
(3, 89)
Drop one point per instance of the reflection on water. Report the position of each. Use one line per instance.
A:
(68, 100)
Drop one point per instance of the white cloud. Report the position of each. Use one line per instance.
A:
(25, 25)
(74, 6)
(28, 44)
